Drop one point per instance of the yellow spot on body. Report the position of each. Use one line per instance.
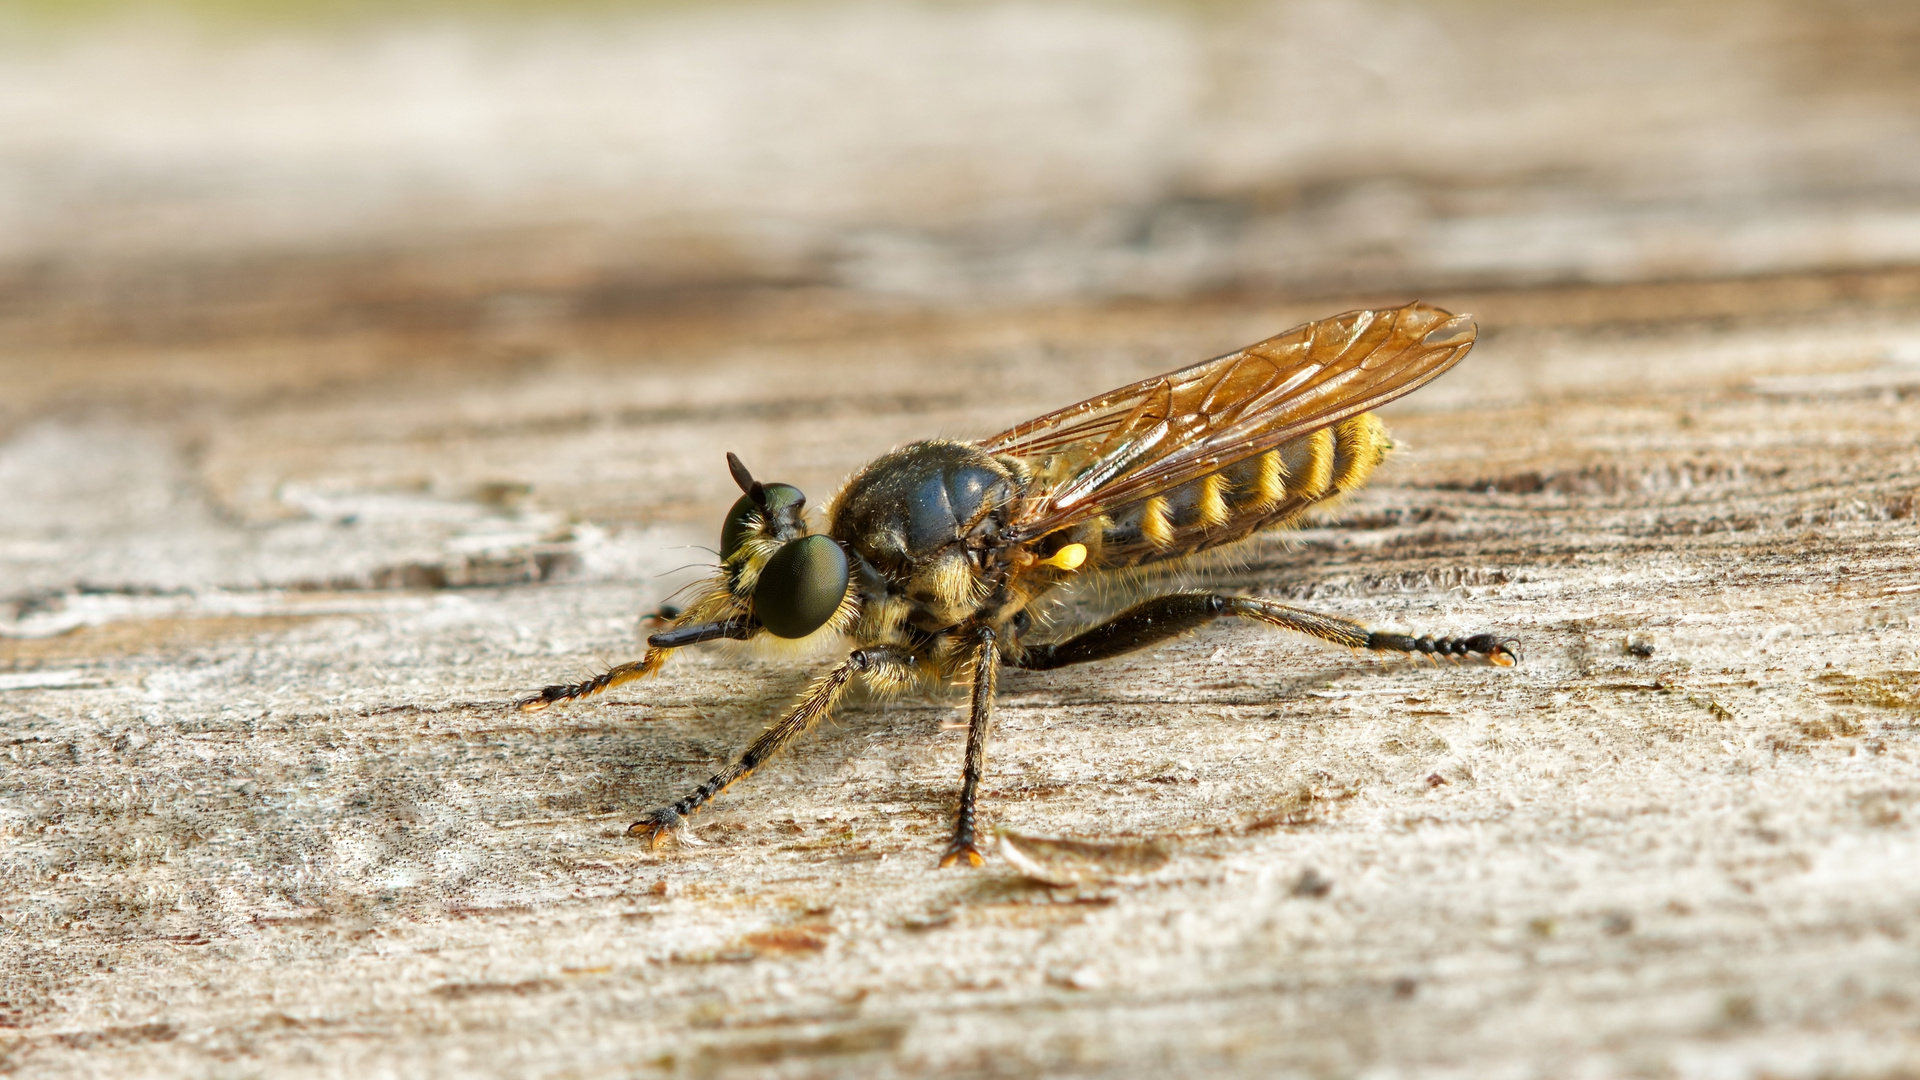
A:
(1317, 477)
(1270, 486)
(1213, 501)
(1362, 443)
(1154, 524)
(1067, 558)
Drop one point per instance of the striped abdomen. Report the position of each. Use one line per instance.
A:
(1264, 492)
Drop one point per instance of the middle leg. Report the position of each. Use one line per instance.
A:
(986, 667)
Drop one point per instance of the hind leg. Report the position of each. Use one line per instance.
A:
(1163, 617)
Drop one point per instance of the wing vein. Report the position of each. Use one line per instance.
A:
(1151, 436)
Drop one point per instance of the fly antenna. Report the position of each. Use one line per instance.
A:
(745, 479)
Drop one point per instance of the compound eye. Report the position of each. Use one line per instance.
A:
(737, 527)
(801, 586)
(779, 505)
(783, 500)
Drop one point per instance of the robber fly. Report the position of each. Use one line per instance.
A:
(934, 555)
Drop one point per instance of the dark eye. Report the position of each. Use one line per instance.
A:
(783, 504)
(801, 587)
(735, 530)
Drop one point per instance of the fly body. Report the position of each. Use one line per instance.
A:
(927, 526)
(934, 554)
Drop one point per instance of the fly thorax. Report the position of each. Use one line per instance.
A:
(926, 517)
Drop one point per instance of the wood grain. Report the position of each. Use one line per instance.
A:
(275, 816)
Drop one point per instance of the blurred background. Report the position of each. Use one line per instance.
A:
(275, 261)
(268, 162)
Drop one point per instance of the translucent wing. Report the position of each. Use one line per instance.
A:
(1159, 433)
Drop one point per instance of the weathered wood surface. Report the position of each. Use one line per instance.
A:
(356, 379)
(265, 810)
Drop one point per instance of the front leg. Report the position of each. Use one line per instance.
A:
(986, 665)
(644, 668)
(886, 666)
(659, 646)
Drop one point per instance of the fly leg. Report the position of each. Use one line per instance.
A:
(1499, 651)
(1135, 628)
(1168, 616)
(986, 666)
(884, 666)
(649, 664)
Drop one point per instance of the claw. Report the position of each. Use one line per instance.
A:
(1499, 653)
(1504, 653)
(959, 851)
(660, 824)
(536, 702)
